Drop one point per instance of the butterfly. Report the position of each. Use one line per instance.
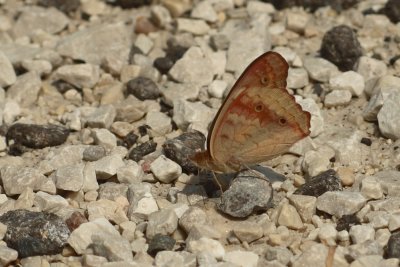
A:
(258, 120)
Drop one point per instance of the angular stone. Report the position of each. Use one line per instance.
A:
(305, 205)
(50, 203)
(389, 181)
(297, 78)
(130, 173)
(198, 231)
(26, 89)
(104, 208)
(361, 233)
(337, 98)
(102, 117)
(93, 153)
(69, 178)
(194, 26)
(163, 222)
(193, 216)
(205, 244)
(7, 255)
(241, 54)
(193, 67)
(371, 188)
(33, 18)
(130, 110)
(242, 258)
(371, 69)
(79, 75)
(96, 43)
(104, 138)
(7, 75)
(16, 179)
(246, 195)
(159, 123)
(186, 91)
(248, 231)
(289, 217)
(340, 203)
(106, 167)
(172, 257)
(43, 67)
(186, 113)
(350, 81)
(320, 69)
(165, 170)
(389, 124)
(204, 10)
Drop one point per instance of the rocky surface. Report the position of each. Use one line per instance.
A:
(103, 102)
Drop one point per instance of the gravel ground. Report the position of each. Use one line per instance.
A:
(102, 102)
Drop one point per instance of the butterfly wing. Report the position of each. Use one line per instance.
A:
(259, 118)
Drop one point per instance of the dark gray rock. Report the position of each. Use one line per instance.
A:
(142, 150)
(62, 5)
(34, 233)
(346, 222)
(130, 139)
(163, 64)
(392, 10)
(159, 243)
(180, 148)
(37, 136)
(93, 153)
(341, 47)
(393, 246)
(247, 194)
(313, 5)
(323, 182)
(143, 88)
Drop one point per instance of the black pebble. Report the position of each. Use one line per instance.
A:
(143, 88)
(160, 243)
(163, 64)
(130, 139)
(346, 222)
(37, 136)
(125, 4)
(142, 150)
(180, 148)
(341, 47)
(62, 5)
(366, 141)
(392, 10)
(393, 246)
(313, 5)
(323, 182)
(143, 130)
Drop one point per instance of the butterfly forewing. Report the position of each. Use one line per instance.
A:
(259, 119)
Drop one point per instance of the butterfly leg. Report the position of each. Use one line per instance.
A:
(256, 174)
(217, 181)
